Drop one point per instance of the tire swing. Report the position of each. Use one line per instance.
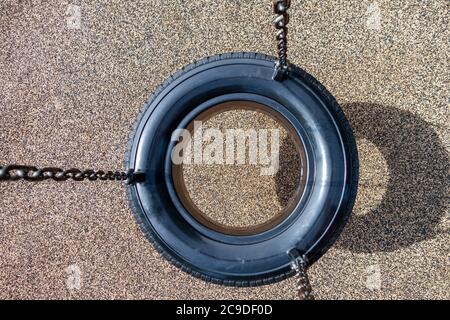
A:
(287, 244)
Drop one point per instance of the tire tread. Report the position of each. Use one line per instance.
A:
(331, 102)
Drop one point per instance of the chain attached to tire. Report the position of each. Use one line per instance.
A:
(304, 289)
(30, 173)
(281, 20)
(299, 265)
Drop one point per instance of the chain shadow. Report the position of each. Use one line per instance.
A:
(415, 198)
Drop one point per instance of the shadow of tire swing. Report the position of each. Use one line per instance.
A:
(415, 200)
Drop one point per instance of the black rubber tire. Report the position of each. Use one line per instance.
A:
(153, 205)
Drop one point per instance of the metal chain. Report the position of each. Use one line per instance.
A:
(304, 289)
(281, 20)
(30, 173)
(299, 265)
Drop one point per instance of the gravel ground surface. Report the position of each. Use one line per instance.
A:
(75, 73)
(240, 195)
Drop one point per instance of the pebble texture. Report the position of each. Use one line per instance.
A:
(238, 195)
(75, 73)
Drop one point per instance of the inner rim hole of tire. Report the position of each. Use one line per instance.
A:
(241, 188)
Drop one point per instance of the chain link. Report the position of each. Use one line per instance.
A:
(304, 289)
(299, 265)
(281, 20)
(30, 173)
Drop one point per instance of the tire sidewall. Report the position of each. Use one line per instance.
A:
(323, 209)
